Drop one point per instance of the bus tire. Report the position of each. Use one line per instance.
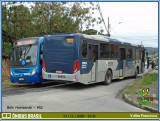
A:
(108, 78)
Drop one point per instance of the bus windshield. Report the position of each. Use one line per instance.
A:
(24, 56)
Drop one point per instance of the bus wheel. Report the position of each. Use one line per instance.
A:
(108, 78)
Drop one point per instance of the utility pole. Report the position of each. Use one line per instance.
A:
(108, 28)
(99, 8)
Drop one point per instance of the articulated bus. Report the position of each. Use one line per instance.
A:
(90, 58)
(26, 60)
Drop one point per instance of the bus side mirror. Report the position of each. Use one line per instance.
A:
(41, 52)
(41, 58)
(41, 61)
(146, 53)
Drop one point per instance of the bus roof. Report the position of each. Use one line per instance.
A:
(28, 38)
(96, 37)
(115, 41)
(23, 39)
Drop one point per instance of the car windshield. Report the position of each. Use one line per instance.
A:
(24, 56)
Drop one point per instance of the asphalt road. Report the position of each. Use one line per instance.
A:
(71, 98)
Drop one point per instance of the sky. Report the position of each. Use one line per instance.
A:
(134, 22)
(138, 21)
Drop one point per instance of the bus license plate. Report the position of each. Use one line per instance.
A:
(21, 79)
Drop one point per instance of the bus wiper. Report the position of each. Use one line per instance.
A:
(27, 49)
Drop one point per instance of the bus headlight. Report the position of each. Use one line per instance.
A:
(11, 73)
(34, 71)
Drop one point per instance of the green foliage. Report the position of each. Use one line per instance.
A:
(7, 48)
(38, 18)
(90, 32)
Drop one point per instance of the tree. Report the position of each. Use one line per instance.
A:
(38, 18)
(90, 32)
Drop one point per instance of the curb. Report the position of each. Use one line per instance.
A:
(128, 100)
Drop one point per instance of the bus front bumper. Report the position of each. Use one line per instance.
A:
(26, 79)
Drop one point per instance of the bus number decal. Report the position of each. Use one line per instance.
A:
(61, 76)
(84, 65)
(49, 75)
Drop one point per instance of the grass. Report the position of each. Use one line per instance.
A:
(150, 78)
(141, 83)
(6, 86)
(6, 81)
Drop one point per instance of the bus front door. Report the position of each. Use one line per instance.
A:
(93, 57)
(142, 61)
(122, 62)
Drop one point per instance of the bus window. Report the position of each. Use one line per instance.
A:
(140, 53)
(129, 53)
(122, 53)
(134, 53)
(143, 56)
(104, 52)
(93, 52)
(84, 49)
(26, 54)
(114, 51)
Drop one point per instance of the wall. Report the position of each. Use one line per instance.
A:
(5, 67)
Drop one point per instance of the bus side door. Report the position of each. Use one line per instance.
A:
(122, 61)
(93, 57)
(142, 60)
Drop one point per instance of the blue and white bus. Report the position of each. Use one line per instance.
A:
(90, 58)
(26, 61)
